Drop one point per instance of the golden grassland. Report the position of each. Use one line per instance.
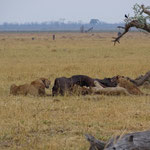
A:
(59, 123)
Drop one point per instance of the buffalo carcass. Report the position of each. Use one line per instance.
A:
(63, 84)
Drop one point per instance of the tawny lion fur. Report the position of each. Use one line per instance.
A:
(36, 88)
(19, 90)
(98, 89)
(131, 88)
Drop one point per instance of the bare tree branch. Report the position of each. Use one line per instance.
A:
(145, 10)
(121, 27)
(126, 29)
(138, 22)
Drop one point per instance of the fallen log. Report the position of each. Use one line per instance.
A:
(130, 141)
(140, 80)
(95, 144)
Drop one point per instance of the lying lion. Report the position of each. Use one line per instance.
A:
(19, 90)
(124, 87)
(98, 89)
(129, 86)
(36, 88)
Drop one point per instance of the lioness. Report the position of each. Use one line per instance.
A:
(98, 89)
(36, 88)
(127, 84)
(19, 90)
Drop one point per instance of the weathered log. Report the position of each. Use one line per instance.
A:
(130, 141)
(95, 144)
(142, 79)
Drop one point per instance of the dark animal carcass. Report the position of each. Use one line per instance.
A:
(82, 80)
(108, 82)
(63, 84)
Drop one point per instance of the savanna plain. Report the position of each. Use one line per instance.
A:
(59, 123)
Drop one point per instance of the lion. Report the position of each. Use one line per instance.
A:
(127, 84)
(19, 90)
(35, 88)
(98, 89)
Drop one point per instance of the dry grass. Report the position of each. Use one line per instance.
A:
(58, 123)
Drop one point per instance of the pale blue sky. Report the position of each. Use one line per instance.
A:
(21, 11)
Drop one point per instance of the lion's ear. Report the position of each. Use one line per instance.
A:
(43, 80)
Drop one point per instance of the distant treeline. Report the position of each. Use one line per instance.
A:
(58, 26)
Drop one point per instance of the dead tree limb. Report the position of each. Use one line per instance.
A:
(95, 144)
(130, 141)
(145, 10)
(126, 29)
(134, 23)
(142, 79)
(139, 21)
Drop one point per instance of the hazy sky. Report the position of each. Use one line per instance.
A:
(21, 11)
